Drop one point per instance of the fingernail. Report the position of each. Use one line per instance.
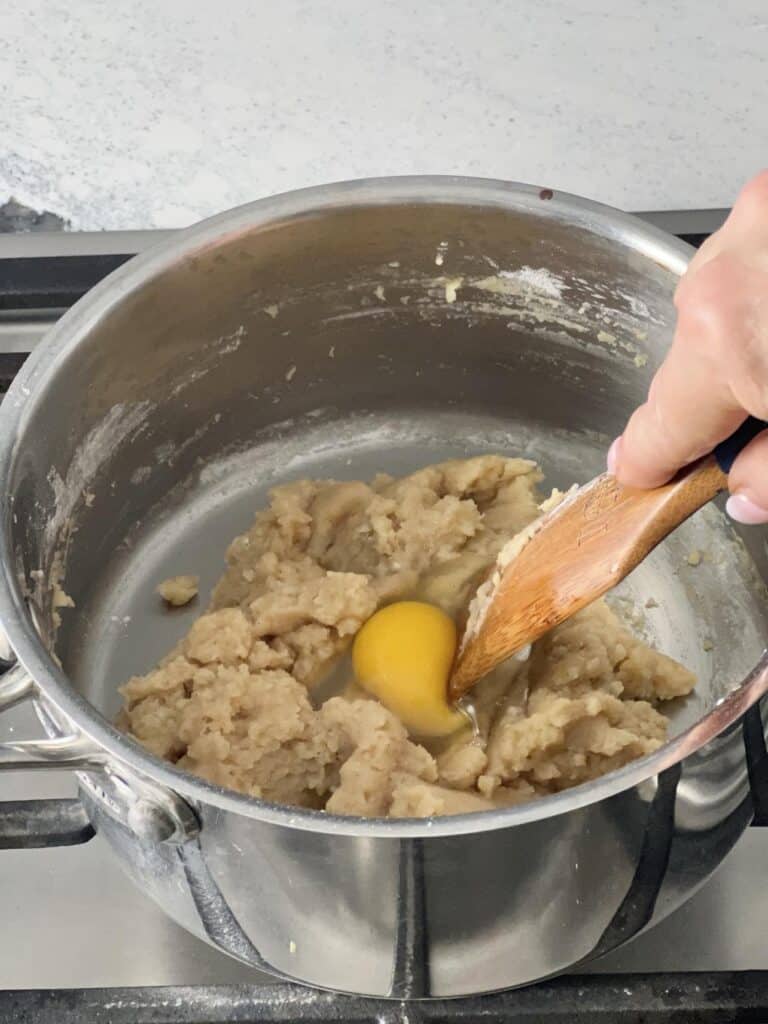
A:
(743, 510)
(613, 456)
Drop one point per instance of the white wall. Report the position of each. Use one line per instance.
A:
(154, 113)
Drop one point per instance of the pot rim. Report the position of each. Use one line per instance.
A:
(17, 414)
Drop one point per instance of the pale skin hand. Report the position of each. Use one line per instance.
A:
(716, 371)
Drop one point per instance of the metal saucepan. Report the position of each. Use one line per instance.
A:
(341, 331)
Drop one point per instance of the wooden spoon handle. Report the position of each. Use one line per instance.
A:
(657, 512)
(650, 516)
(583, 548)
(694, 486)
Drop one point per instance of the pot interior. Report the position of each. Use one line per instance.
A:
(342, 342)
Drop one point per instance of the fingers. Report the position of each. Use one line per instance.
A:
(745, 230)
(748, 483)
(692, 404)
(716, 372)
(747, 224)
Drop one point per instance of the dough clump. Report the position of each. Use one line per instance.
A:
(238, 701)
(179, 590)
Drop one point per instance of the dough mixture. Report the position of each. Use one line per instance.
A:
(239, 701)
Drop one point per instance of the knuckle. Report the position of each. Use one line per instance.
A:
(649, 443)
(676, 443)
(755, 193)
(709, 310)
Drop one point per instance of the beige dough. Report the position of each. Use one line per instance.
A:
(179, 590)
(233, 702)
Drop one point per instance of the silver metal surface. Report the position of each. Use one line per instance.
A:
(100, 243)
(194, 408)
(15, 686)
(72, 918)
(153, 813)
(78, 243)
(65, 753)
(22, 331)
(686, 222)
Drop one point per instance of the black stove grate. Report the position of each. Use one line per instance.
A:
(724, 998)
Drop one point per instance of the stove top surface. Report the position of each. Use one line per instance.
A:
(72, 921)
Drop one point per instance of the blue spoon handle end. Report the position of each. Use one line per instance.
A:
(727, 451)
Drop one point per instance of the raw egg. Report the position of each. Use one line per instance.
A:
(403, 656)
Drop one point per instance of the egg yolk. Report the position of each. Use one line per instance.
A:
(403, 657)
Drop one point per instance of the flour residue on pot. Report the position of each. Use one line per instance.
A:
(584, 308)
(537, 298)
(452, 285)
(73, 492)
(187, 379)
(231, 342)
(526, 280)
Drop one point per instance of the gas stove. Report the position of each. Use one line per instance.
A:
(79, 942)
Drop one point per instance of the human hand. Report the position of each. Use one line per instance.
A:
(716, 371)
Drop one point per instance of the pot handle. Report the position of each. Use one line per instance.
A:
(40, 824)
(36, 824)
(152, 813)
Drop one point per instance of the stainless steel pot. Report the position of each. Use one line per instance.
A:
(340, 331)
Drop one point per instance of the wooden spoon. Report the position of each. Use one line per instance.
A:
(580, 550)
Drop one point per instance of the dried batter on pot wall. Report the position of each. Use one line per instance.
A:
(233, 702)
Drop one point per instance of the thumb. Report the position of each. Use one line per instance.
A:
(748, 483)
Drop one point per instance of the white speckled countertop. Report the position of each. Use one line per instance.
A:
(158, 112)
